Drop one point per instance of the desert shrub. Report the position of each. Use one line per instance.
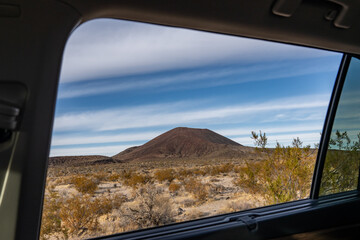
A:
(184, 173)
(174, 187)
(341, 169)
(164, 175)
(84, 184)
(197, 188)
(137, 179)
(199, 172)
(222, 169)
(283, 175)
(114, 177)
(107, 203)
(51, 220)
(152, 208)
(79, 214)
(100, 176)
(126, 174)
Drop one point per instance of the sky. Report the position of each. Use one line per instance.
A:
(123, 83)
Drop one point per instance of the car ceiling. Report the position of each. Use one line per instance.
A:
(327, 24)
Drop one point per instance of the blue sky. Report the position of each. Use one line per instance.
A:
(123, 83)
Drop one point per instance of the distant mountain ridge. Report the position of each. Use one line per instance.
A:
(80, 160)
(180, 142)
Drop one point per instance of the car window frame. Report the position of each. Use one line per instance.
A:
(327, 129)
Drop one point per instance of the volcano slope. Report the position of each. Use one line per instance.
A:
(186, 143)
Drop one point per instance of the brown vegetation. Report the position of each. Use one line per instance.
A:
(123, 196)
(85, 184)
(164, 175)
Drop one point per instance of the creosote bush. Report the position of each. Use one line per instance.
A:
(114, 177)
(51, 221)
(165, 175)
(221, 169)
(137, 179)
(174, 187)
(152, 208)
(126, 174)
(199, 190)
(284, 175)
(77, 215)
(85, 184)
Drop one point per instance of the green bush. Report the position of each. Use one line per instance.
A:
(285, 173)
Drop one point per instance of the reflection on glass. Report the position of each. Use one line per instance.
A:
(341, 170)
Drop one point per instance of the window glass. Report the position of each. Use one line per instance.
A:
(157, 125)
(341, 169)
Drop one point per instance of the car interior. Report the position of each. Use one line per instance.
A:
(33, 37)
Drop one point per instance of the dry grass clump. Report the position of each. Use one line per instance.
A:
(164, 175)
(174, 187)
(79, 214)
(151, 208)
(126, 174)
(114, 177)
(84, 184)
(184, 173)
(236, 206)
(137, 179)
(51, 221)
(205, 170)
(76, 215)
(199, 171)
(222, 169)
(199, 190)
(101, 176)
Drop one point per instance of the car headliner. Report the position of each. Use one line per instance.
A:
(308, 25)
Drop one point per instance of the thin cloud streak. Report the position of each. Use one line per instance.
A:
(206, 78)
(149, 116)
(71, 140)
(146, 136)
(78, 151)
(143, 48)
(283, 129)
(307, 138)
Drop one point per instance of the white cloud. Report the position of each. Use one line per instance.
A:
(176, 114)
(307, 138)
(108, 48)
(204, 78)
(105, 151)
(95, 138)
(283, 129)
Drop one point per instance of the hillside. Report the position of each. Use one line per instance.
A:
(178, 143)
(79, 160)
(184, 142)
